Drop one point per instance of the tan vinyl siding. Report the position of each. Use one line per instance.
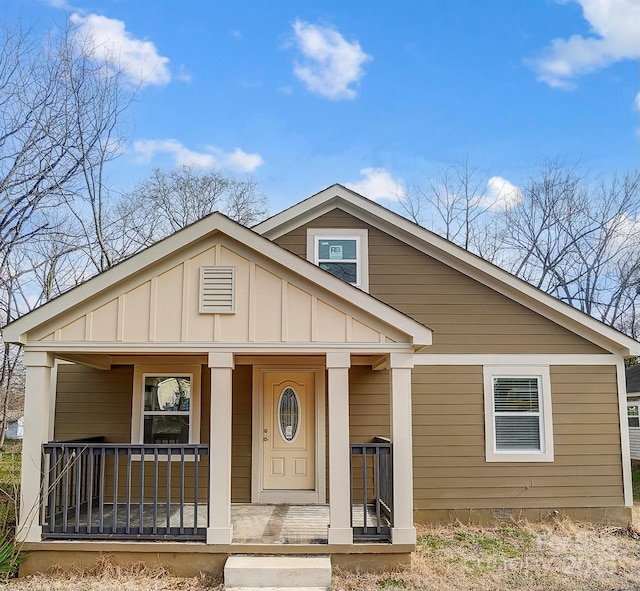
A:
(450, 471)
(368, 404)
(93, 402)
(465, 315)
(369, 414)
(241, 435)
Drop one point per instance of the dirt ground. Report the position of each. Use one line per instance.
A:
(560, 555)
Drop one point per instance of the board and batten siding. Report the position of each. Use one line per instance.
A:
(450, 470)
(465, 315)
(162, 305)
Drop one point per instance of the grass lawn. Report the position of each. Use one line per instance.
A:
(10, 464)
(635, 475)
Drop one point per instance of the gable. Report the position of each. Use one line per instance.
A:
(161, 304)
(466, 315)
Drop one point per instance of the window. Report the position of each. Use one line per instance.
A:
(633, 414)
(166, 412)
(166, 404)
(343, 253)
(518, 426)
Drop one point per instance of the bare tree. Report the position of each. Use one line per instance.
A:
(59, 112)
(451, 203)
(171, 199)
(577, 240)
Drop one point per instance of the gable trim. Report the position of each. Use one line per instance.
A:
(188, 240)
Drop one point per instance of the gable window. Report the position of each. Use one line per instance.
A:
(166, 405)
(342, 252)
(518, 426)
(633, 414)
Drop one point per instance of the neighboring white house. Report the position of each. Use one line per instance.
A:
(633, 409)
(15, 429)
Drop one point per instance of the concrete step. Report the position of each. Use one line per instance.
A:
(277, 572)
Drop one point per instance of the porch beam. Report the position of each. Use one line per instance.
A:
(403, 530)
(340, 530)
(38, 402)
(220, 530)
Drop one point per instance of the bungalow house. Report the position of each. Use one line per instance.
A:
(314, 385)
(633, 410)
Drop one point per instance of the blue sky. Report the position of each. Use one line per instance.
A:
(370, 93)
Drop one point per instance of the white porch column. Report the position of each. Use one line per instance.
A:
(400, 365)
(340, 531)
(220, 530)
(38, 399)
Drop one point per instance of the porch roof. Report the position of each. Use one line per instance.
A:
(150, 303)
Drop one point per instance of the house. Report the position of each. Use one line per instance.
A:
(314, 385)
(15, 427)
(633, 410)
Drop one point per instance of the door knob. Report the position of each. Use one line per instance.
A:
(265, 439)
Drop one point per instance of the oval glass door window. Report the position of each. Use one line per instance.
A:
(288, 414)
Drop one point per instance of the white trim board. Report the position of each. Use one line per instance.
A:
(624, 435)
(515, 359)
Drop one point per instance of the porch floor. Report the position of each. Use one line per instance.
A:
(280, 524)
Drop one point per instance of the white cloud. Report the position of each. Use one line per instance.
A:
(638, 101)
(500, 195)
(378, 184)
(212, 157)
(616, 36)
(240, 160)
(332, 65)
(61, 4)
(108, 40)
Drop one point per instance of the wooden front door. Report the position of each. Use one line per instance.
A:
(289, 431)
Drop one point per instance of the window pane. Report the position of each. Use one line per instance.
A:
(289, 414)
(337, 250)
(344, 271)
(166, 429)
(519, 433)
(167, 393)
(633, 411)
(516, 394)
(634, 422)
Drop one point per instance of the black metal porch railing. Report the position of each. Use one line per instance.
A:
(94, 490)
(372, 490)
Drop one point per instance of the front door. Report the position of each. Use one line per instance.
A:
(289, 431)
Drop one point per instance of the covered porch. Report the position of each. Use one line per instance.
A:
(96, 491)
(93, 489)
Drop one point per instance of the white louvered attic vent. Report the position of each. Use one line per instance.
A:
(217, 290)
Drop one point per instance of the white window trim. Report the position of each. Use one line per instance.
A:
(360, 235)
(137, 415)
(630, 404)
(546, 435)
